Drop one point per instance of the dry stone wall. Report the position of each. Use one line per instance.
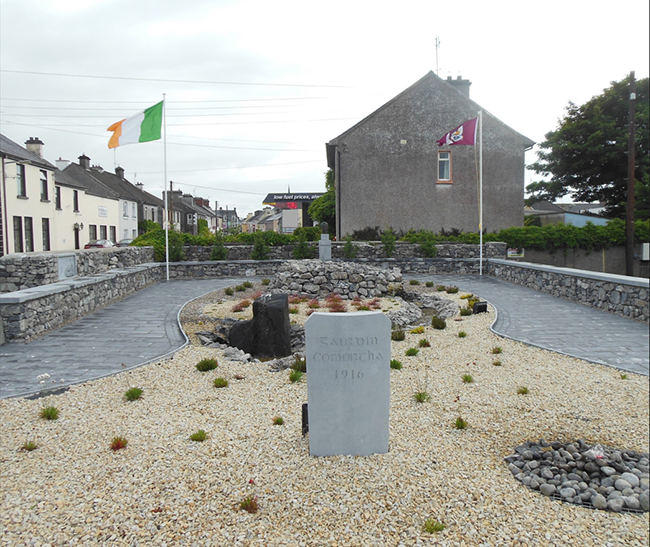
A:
(318, 279)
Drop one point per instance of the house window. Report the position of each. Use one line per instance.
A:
(135, 234)
(125, 209)
(18, 234)
(29, 235)
(75, 200)
(113, 234)
(102, 232)
(92, 232)
(20, 181)
(57, 197)
(444, 166)
(45, 225)
(44, 191)
(126, 234)
(133, 211)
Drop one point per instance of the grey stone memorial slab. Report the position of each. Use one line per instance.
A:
(348, 383)
(325, 247)
(67, 266)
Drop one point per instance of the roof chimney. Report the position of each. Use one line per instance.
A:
(139, 186)
(61, 164)
(35, 145)
(119, 171)
(84, 161)
(460, 84)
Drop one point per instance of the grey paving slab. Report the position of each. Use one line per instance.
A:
(557, 324)
(132, 332)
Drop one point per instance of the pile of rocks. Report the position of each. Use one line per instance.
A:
(594, 476)
(319, 278)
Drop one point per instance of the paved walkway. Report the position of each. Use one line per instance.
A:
(143, 327)
(557, 324)
(139, 329)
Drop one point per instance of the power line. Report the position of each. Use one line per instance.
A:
(166, 80)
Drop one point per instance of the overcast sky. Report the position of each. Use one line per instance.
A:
(256, 88)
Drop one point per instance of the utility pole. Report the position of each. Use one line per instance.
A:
(629, 225)
(437, 48)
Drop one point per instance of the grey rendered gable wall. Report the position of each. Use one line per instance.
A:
(386, 166)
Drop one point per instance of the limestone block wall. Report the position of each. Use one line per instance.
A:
(25, 270)
(625, 296)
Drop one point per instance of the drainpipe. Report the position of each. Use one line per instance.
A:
(4, 225)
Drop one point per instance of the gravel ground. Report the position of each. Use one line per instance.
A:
(164, 489)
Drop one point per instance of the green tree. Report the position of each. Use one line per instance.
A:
(586, 156)
(323, 209)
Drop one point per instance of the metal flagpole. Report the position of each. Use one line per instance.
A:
(480, 214)
(165, 186)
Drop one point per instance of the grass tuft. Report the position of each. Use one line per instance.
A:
(523, 390)
(460, 423)
(204, 365)
(199, 436)
(395, 364)
(29, 446)
(133, 394)
(412, 352)
(118, 443)
(295, 376)
(249, 504)
(432, 526)
(278, 420)
(496, 350)
(467, 378)
(421, 397)
(398, 335)
(49, 413)
(220, 382)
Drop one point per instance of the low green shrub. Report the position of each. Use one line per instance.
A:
(414, 282)
(462, 334)
(266, 281)
(229, 291)
(398, 335)
(395, 364)
(421, 396)
(133, 394)
(349, 250)
(29, 446)
(438, 323)
(118, 443)
(451, 290)
(49, 413)
(220, 382)
(424, 343)
(431, 526)
(295, 376)
(278, 420)
(467, 378)
(199, 436)
(412, 352)
(465, 312)
(204, 365)
(460, 423)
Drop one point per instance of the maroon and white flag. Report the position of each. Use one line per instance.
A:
(463, 134)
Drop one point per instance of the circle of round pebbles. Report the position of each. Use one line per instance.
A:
(589, 475)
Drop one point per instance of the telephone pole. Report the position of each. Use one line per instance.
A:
(629, 225)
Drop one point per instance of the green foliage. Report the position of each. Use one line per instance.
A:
(203, 227)
(229, 291)
(220, 382)
(278, 420)
(49, 413)
(496, 350)
(429, 284)
(266, 282)
(247, 284)
(118, 443)
(323, 209)
(219, 251)
(496, 363)
(29, 446)
(428, 244)
(310, 233)
(199, 436)
(302, 248)
(240, 288)
(145, 226)
(349, 250)
(156, 238)
(398, 335)
(412, 352)
(462, 334)
(523, 390)
(432, 526)
(204, 365)
(395, 364)
(438, 323)
(133, 394)
(367, 234)
(466, 311)
(260, 249)
(299, 363)
(460, 423)
(586, 156)
(249, 504)
(421, 396)
(451, 290)
(417, 330)
(467, 378)
(424, 343)
(388, 239)
(624, 377)
(295, 376)
(414, 282)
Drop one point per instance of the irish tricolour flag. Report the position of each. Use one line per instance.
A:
(141, 127)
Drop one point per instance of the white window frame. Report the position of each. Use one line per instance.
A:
(444, 157)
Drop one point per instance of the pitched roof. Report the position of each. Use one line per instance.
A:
(13, 150)
(428, 79)
(91, 185)
(124, 188)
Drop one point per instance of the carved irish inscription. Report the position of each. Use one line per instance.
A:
(348, 383)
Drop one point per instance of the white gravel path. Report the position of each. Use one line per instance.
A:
(164, 489)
